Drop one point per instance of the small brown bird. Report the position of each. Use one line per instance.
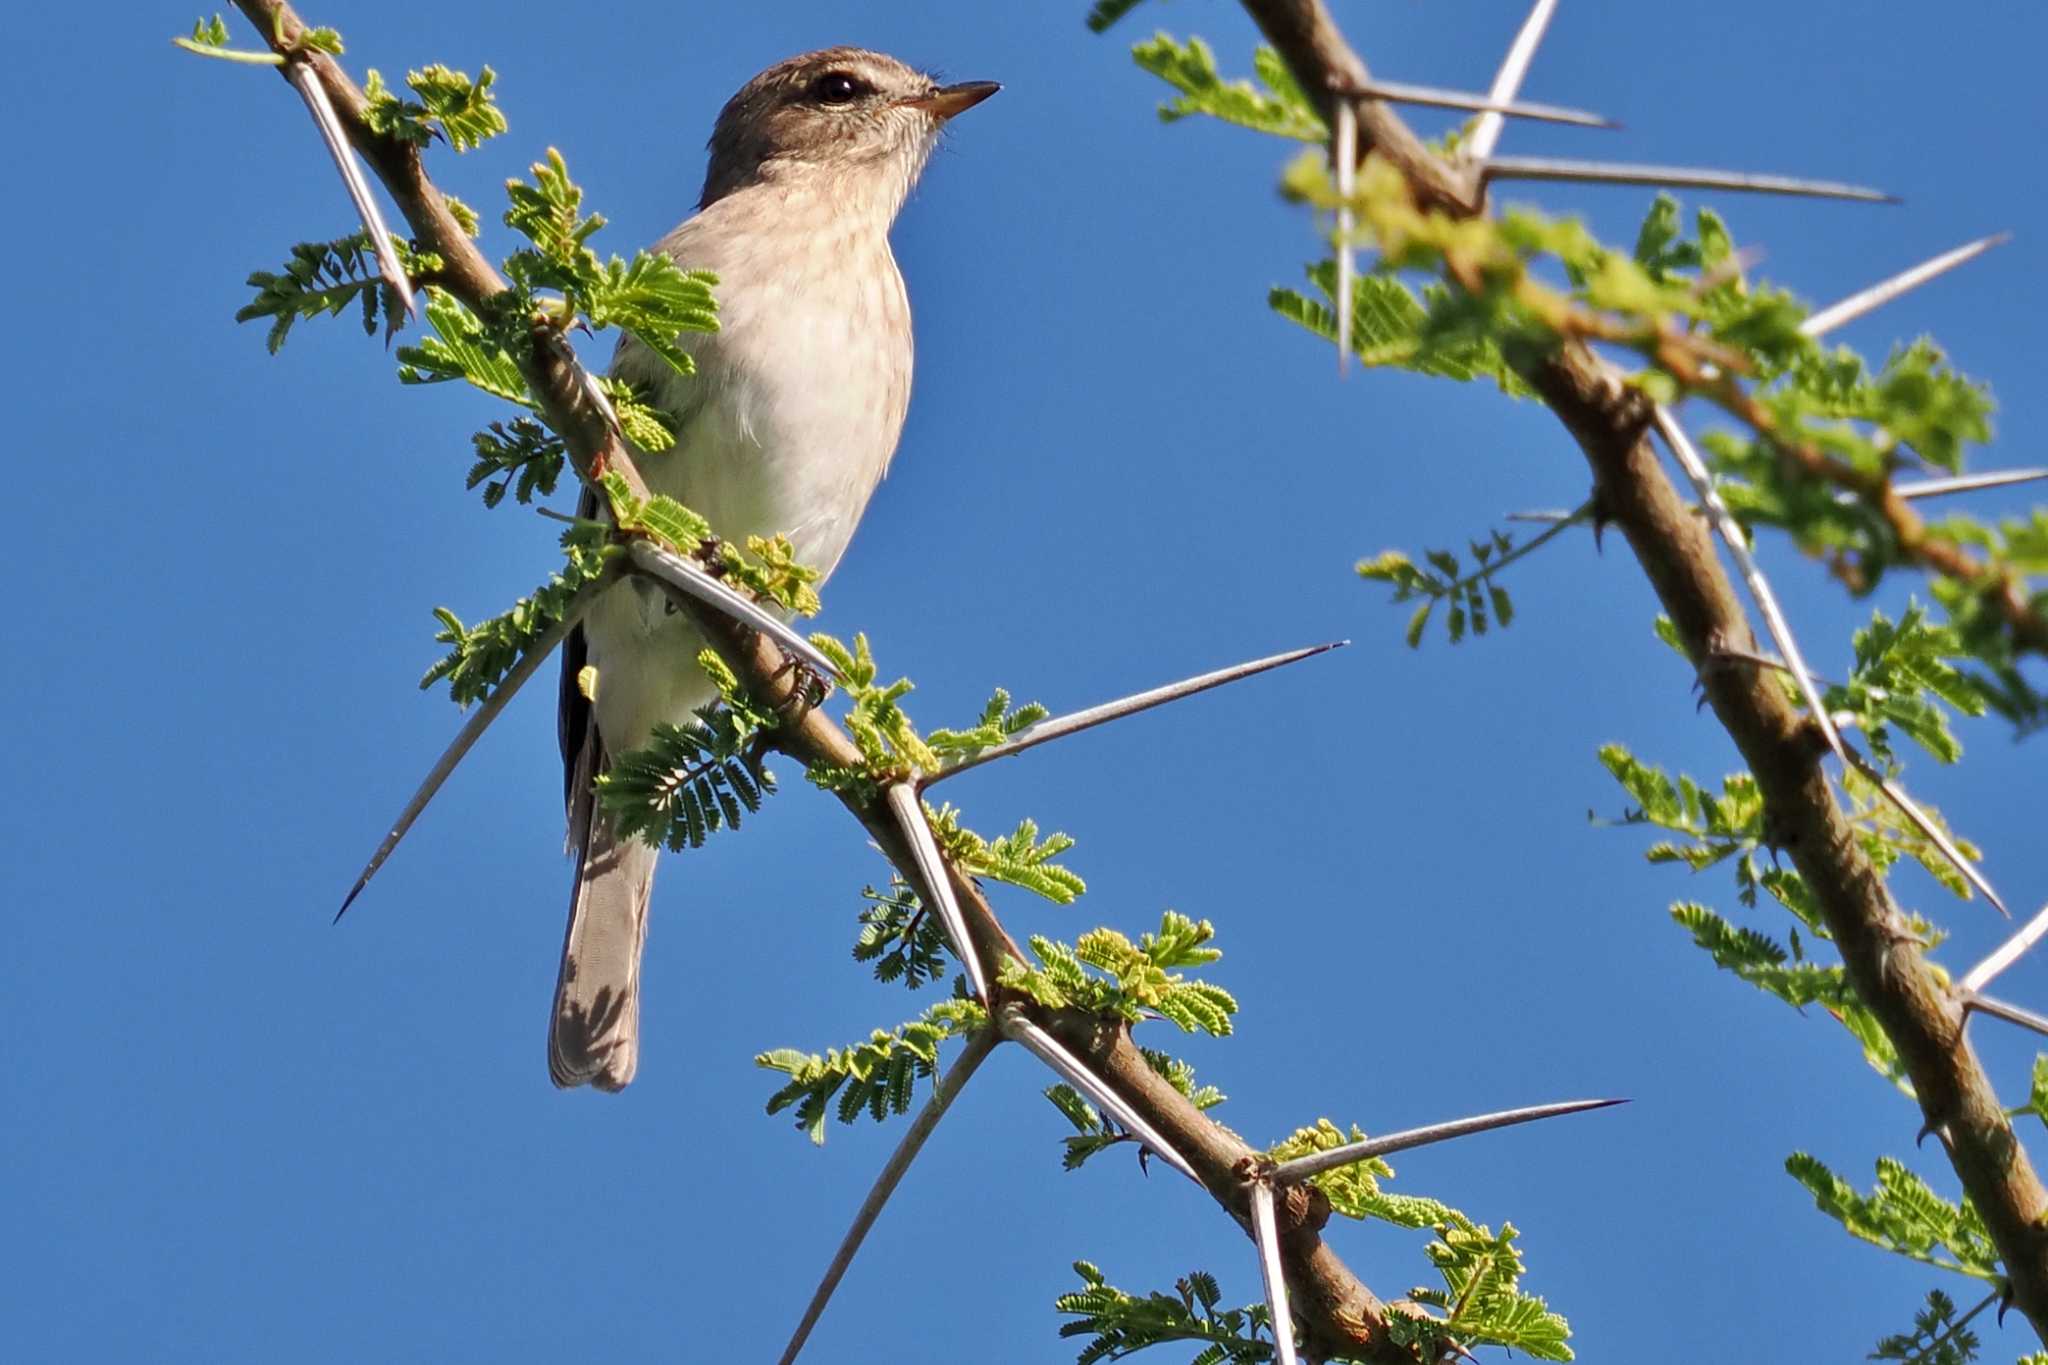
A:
(786, 427)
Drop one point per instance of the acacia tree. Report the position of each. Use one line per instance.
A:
(1621, 343)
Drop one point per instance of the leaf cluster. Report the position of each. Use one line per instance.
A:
(1937, 1337)
(1482, 1301)
(445, 102)
(1902, 1215)
(896, 934)
(520, 457)
(330, 278)
(460, 346)
(1902, 678)
(1471, 596)
(690, 781)
(480, 656)
(650, 298)
(1130, 981)
(1020, 858)
(890, 746)
(999, 721)
(877, 1076)
(1118, 1324)
(1394, 326)
(1274, 105)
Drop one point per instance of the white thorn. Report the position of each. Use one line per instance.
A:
(1315, 1163)
(1059, 727)
(1507, 82)
(977, 1049)
(307, 80)
(1897, 796)
(1702, 480)
(1965, 483)
(1347, 221)
(2012, 1014)
(1878, 295)
(938, 884)
(1617, 173)
(1435, 97)
(688, 578)
(1018, 1027)
(2006, 954)
(473, 729)
(1266, 1232)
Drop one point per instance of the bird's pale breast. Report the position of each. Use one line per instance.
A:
(786, 427)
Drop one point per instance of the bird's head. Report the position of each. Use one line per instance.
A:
(849, 122)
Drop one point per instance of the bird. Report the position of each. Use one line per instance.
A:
(786, 427)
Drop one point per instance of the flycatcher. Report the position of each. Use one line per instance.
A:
(786, 428)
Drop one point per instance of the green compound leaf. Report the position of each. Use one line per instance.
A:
(876, 1077)
(445, 101)
(1275, 105)
(460, 347)
(1136, 980)
(1902, 1215)
(1937, 1338)
(1116, 1324)
(520, 457)
(1482, 1301)
(690, 781)
(480, 656)
(330, 278)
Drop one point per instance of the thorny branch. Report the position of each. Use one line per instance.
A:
(1918, 1012)
(1339, 1314)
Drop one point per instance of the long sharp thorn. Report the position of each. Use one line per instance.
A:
(1966, 483)
(1702, 480)
(473, 730)
(1433, 97)
(303, 76)
(1618, 173)
(1266, 1232)
(1507, 82)
(1315, 1163)
(1545, 516)
(977, 1050)
(690, 580)
(938, 885)
(1018, 1027)
(1059, 727)
(1346, 153)
(1896, 794)
(2012, 1014)
(1882, 293)
(2006, 954)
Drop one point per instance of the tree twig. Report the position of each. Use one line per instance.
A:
(1884, 963)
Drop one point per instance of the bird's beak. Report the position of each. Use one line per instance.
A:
(949, 100)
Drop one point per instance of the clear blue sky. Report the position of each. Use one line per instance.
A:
(237, 1133)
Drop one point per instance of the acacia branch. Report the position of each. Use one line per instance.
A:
(1885, 963)
(1340, 1316)
(549, 368)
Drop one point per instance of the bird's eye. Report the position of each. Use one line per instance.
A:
(836, 87)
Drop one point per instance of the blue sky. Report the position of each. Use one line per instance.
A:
(240, 1133)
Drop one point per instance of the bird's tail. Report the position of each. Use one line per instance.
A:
(594, 1037)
